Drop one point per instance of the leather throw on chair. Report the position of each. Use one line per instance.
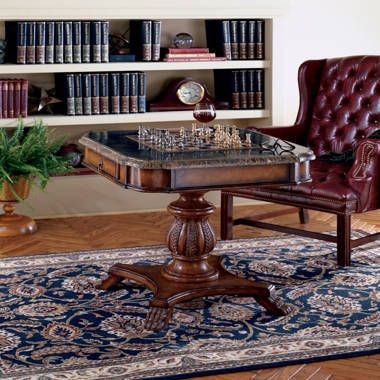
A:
(339, 110)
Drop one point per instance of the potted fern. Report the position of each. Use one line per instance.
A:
(27, 156)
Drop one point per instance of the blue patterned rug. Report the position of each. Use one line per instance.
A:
(55, 325)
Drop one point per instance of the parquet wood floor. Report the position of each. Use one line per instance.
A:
(127, 230)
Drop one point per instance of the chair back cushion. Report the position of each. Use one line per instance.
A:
(347, 105)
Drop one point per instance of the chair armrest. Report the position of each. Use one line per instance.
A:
(364, 175)
(295, 133)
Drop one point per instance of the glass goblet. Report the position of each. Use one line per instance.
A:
(204, 112)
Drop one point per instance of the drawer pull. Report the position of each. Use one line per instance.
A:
(100, 165)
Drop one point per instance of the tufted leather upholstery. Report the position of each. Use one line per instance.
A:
(339, 109)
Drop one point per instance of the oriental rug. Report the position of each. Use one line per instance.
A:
(54, 324)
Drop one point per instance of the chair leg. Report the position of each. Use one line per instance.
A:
(344, 240)
(226, 216)
(303, 215)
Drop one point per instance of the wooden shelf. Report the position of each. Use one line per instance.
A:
(130, 66)
(147, 117)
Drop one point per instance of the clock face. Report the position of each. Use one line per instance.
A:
(190, 92)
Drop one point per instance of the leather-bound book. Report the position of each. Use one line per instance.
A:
(86, 41)
(68, 41)
(242, 39)
(104, 93)
(133, 93)
(4, 95)
(251, 46)
(243, 89)
(250, 89)
(24, 97)
(156, 40)
(115, 92)
(11, 111)
(141, 79)
(259, 87)
(49, 44)
(77, 42)
(58, 48)
(124, 92)
(218, 37)
(260, 39)
(86, 90)
(104, 49)
(78, 94)
(31, 42)
(96, 39)
(234, 31)
(95, 101)
(40, 41)
(17, 98)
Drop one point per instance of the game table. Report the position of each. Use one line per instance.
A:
(191, 163)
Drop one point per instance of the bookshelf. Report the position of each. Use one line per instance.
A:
(176, 17)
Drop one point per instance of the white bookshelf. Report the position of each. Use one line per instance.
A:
(147, 117)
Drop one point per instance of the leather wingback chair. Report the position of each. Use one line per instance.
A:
(339, 109)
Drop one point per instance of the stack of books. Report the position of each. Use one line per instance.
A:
(242, 89)
(13, 98)
(102, 93)
(145, 39)
(189, 55)
(236, 39)
(32, 42)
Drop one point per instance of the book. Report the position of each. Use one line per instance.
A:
(78, 94)
(68, 41)
(105, 31)
(250, 89)
(17, 98)
(234, 36)
(185, 50)
(122, 57)
(218, 37)
(69, 94)
(251, 45)
(58, 48)
(115, 92)
(180, 59)
(4, 95)
(95, 104)
(49, 42)
(11, 112)
(77, 42)
(40, 41)
(259, 40)
(141, 92)
(190, 55)
(259, 88)
(86, 41)
(140, 38)
(103, 93)
(242, 39)
(86, 92)
(24, 98)
(21, 42)
(133, 93)
(235, 89)
(31, 42)
(156, 40)
(124, 93)
(96, 37)
(243, 89)
(16, 37)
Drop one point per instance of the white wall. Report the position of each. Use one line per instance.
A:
(309, 29)
(323, 29)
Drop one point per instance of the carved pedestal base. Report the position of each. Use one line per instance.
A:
(192, 272)
(13, 224)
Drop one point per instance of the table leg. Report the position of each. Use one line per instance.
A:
(192, 272)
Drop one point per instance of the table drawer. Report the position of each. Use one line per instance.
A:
(102, 164)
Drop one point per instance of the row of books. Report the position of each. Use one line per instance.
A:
(243, 89)
(32, 42)
(13, 98)
(189, 55)
(102, 93)
(236, 39)
(145, 39)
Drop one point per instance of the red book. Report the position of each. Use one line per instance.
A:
(194, 59)
(17, 98)
(187, 50)
(24, 98)
(190, 55)
(4, 93)
(11, 113)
